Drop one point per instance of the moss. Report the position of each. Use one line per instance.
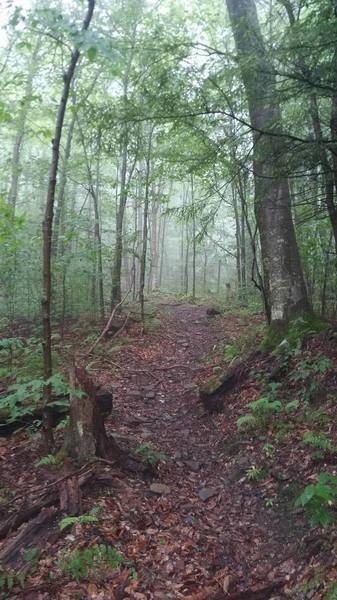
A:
(293, 332)
(211, 386)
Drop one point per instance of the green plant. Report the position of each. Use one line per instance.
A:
(309, 366)
(268, 502)
(80, 520)
(261, 410)
(231, 352)
(268, 449)
(316, 417)
(319, 499)
(25, 398)
(5, 494)
(317, 440)
(94, 560)
(149, 454)
(8, 579)
(31, 557)
(332, 592)
(254, 474)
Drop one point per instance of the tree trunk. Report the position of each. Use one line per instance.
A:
(93, 189)
(21, 123)
(145, 224)
(218, 278)
(283, 276)
(47, 230)
(162, 250)
(237, 238)
(193, 241)
(62, 187)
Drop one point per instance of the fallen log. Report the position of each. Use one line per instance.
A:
(48, 497)
(33, 535)
(211, 394)
(262, 592)
(27, 513)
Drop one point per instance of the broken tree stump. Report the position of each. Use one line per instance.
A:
(87, 436)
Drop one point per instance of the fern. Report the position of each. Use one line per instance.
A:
(90, 561)
(82, 520)
(246, 422)
(317, 440)
(50, 459)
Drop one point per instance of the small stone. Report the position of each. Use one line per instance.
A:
(150, 395)
(134, 393)
(159, 488)
(206, 493)
(193, 465)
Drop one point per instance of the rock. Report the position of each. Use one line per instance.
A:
(159, 488)
(206, 493)
(212, 312)
(193, 465)
(134, 394)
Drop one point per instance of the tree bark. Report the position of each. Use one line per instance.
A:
(145, 223)
(283, 276)
(194, 249)
(47, 230)
(21, 123)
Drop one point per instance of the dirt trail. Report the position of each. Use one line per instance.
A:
(210, 530)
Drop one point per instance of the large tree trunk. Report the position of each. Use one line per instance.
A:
(47, 231)
(283, 276)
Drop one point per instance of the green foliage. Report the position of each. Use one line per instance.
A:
(254, 474)
(262, 410)
(317, 440)
(293, 332)
(47, 460)
(332, 592)
(315, 417)
(6, 493)
(95, 560)
(246, 422)
(149, 454)
(319, 500)
(231, 352)
(25, 398)
(80, 520)
(8, 579)
(268, 450)
(309, 367)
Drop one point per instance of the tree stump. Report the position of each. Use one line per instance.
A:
(87, 436)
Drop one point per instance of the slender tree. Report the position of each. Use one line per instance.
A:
(47, 230)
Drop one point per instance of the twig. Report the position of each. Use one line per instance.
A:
(167, 367)
(45, 487)
(107, 327)
(123, 326)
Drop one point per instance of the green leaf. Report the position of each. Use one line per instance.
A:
(91, 53)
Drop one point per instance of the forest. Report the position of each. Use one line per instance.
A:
(168, 299)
